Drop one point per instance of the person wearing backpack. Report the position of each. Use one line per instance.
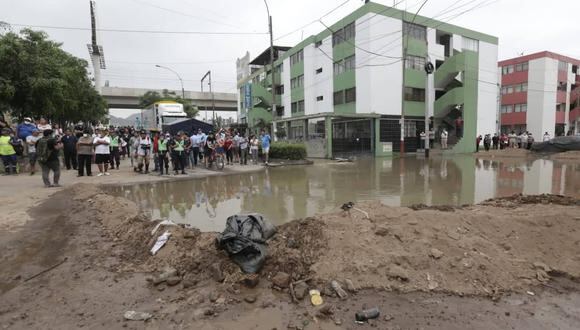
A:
(47, 153)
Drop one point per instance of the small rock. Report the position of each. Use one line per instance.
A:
(216, 272)
(268, 303)
(350, 286)
(388, 317)
(161, 288)
(301, 290)
(292, 244)
(167, 273)
(17, 278)
(436, 254)
(220, 300)
(453, 235)
(542, 266)
(398, 272)
(250, 299)
(213, 296)
(382, 231)
(188, 283)
(413, 222)
(137, 316)
(189, 234)
(327, 309)
(251, 281)
(281, 280)
(173, 281)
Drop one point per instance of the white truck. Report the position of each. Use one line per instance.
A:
(160, 114)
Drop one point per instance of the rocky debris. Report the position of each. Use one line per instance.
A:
(203, 312)
(327, 309)
(173, 281)
(213, 296)
(435, 253)
(442, 208)
(519, 199)
(350, 286)
(301, 290)
(251, 281)
(137, 316)
(281, 280)
(542, 266)
(398, 272)
(166, 274)
(216, 272)
(250, 299)
(382, 231)
(188, 282)
(339, 290)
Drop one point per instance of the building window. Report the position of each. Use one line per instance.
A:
(349, 63)
(297, 107)
(521, 67)
(350, 95)
(414, 94)
(524, 107)
(344, 65)
(415, 62)
(510, 89)
(338, 97)
(414, 31)
(297, 58)
(562, 66)
(320, 98)
(508, 69)
(562, 87)
(470, 44)
(319, 71)
(524, 87)
(338, 68)
(518, 108)
(297, 82)
(344, 34)
(280, 90)
(507, 108)
(318, 44)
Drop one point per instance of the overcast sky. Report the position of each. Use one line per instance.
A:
(522, 26)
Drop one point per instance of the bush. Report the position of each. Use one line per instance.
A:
(285, 150)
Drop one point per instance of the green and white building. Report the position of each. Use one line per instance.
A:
(346, 89)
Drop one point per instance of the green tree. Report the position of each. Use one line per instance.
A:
(151, 97)
(38, 78)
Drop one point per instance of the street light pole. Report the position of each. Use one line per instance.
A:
(271, 59)
(208, 74)
(178, 77)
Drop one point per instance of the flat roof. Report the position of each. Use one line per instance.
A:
(535, 56)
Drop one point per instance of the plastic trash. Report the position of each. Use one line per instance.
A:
(161, 241)
(367, 314)
(162, 223)
(315, 297)
(339, 290)
(137, 316)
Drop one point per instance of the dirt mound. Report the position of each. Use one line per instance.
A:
(480, 250)
(519, 199)
(442, 208)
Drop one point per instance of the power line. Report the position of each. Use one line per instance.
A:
(136, 31)
(314, 21)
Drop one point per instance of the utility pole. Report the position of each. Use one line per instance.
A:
(429, 69)
(404, 61)
(271, 59)
(498, 121)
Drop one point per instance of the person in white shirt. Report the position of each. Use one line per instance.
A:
(444, 137)
(143, 151)
(546, 137)
(43, 125)
(102, 151)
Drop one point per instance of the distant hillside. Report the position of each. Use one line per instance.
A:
(129, 121)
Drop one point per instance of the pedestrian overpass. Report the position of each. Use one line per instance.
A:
(128, 98)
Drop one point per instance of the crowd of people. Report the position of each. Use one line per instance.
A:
(24, 145)
(523, 140)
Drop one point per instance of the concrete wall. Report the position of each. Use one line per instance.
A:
(487, 93)
(286, 97)
(542, 80)
(318, 84)
(378, 79)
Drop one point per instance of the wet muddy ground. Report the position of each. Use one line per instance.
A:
(91, 289)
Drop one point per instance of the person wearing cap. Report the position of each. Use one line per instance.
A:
(85, 151)
(69, 141)
(102, 151)
(7, 152)
(162, 153)
(48, 148)
(25, 129)
(31, 143)
(143, 152)
(114, 149)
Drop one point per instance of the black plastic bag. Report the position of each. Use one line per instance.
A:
(245, 239)
(558, 144)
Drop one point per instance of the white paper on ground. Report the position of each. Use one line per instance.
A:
(161, 240)
(163, 223)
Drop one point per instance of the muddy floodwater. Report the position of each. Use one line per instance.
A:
(288, 193)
